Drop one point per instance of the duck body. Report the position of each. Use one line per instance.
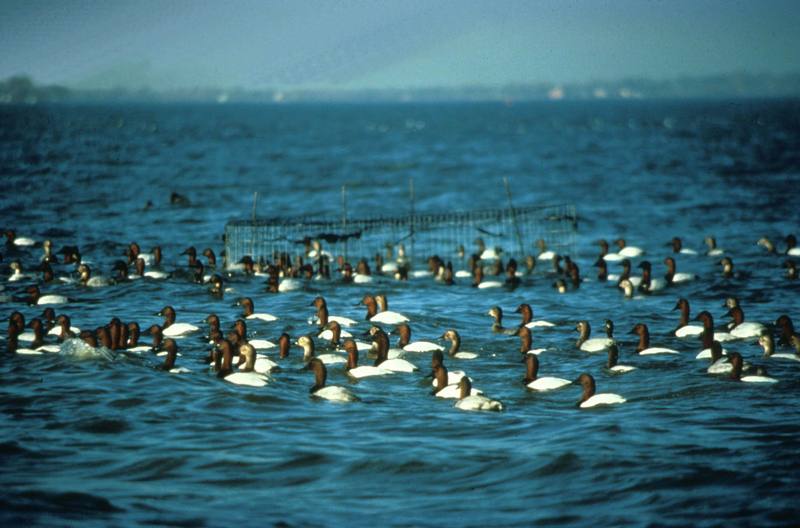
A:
(367, 371)
(604, 398)
(547, 383)
(335, 393)
(388, 317)
(179, 329)
(747, 329)
(478, 402)
(248, 379)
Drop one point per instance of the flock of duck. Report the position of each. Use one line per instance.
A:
(236, 356)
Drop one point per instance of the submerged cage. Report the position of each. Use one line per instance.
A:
(514, 230)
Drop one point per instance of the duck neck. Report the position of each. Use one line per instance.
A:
(525, 342)
(381, 347)
(527, 315)
(644, 340)
(440, 374)
(372, 307)
(455, 344)
(532, 368)
(684, 320)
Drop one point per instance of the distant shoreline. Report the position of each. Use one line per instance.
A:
(23, 90)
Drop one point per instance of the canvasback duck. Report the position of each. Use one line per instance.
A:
(612, 363)
(727, 267)
(767, 343)
(16, 272)
(644, 348)
(740, 328)
(487, 253)
(247, 311)
(684, 328)
(526, 342)
(453, 376)
(602, 270)
(736, 371)
(455, 345)
(396, 364)
(352, 368)
(709, 335)
(13, 239)
(150, 274)
(544, 254)
(384, 316)
(496, 313)
(404, 331)
(791, 269)
(628, 251)
(677, 247)
(224, 350)
(250, 361)
(713, 250)
(333, 332)
(605, 255)
(134, 332)
(533, 382)
(63, 328)
(784, 322)
(478, 282)
(674, 277)
(650, 284)
(589, 398)
(307, 344)
(597, 344)
(323, 317)
(526, 312)
(172, 329)
(719, 362)
(791, 246)
(474, 402)
(767, 244)
(36, 298)
(169, 362)
(626, 275)
(327, 392)
(442, 386)
(86, 278)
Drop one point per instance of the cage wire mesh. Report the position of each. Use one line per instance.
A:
(514, 231)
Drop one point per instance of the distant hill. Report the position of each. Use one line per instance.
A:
(22, 90)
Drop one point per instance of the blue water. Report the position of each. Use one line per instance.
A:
(121, 443)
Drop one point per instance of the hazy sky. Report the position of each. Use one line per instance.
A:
(408, 43)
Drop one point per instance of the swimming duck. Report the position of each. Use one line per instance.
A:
(63, 328)
(597, 344)
(478, 282)
(767, 244)
(719, 362)
(613, 358)
(224, 350)
(644, 348)
(455, 345)
(395, 364)
(352, 368)
(86, 278)
(172, 329)
(768, 344)
(443, 388)
(684, 328)
(626, 275)
(497, 325)
(308, 352)
(526, 312)
(544, 254)
(677, 247)
(329, 392)
(791, 269)
(247, 306)
(533, 382)
(736, 371)
(36, 298)
(250, 361)
(628, 251)
(323, 317)
(650, 284)
(674, 277)
(590, 399)
(526, 342)
(784, 322)
(474, 402)
(740, 328)
(605, 255)
(385, 316)
(13, 239)
(134, 332)
(169, 363)
(713, 250)
(151, 274)
(16, 272)
(404, 331)
(791, 246)
(709, 335)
